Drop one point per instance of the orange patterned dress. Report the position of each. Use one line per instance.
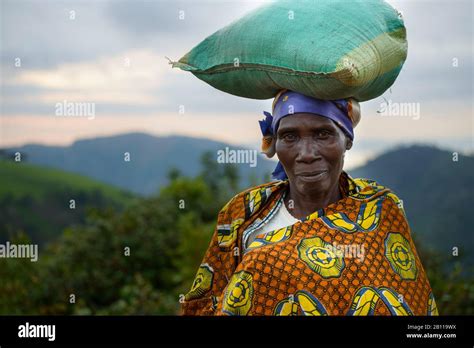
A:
(354, 257)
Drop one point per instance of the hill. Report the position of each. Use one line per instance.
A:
(436, 191)
(151, 158)
(37, 200)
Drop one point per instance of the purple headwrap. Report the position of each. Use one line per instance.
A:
(289, 102)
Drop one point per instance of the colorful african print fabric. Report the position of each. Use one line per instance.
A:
(354, 257)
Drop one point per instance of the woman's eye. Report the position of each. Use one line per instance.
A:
(323, 134)
(289, 137)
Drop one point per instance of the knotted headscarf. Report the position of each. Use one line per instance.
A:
(345, 113)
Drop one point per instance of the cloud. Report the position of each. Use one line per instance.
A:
(439, 64)
(83, 60)
(149, 18)
(63, 130)
(45, 34)
(130, 77)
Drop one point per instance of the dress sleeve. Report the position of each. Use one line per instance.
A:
(217, 267)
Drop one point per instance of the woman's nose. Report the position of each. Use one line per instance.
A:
(308, 150)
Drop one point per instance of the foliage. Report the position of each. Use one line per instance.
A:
(37, 199)
(88, 269)
(136, 261)
(451, 281)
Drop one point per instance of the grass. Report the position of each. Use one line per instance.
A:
(22, 179)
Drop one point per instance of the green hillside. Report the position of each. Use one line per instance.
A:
(36, 200)
(151, 158)
(167, 242)
(436, 192)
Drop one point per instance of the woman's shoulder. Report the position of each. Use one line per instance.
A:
(369, 189)
(253, 196)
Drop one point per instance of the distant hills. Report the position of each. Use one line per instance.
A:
(37, 200)
(150, 159)
(437, 193)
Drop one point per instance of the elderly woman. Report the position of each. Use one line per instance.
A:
(316, 241)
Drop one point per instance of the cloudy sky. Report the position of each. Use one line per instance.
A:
(112, 54)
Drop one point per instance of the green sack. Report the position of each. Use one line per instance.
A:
(328, 49)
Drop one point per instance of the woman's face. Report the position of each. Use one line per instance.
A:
(311, 149)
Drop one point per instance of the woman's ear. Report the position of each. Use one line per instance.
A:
(348, 144)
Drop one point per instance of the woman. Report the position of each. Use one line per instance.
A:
(315, 242)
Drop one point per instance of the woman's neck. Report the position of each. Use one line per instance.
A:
(301, 204)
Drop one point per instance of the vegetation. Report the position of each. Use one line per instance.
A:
(37, 199)
(140, 259)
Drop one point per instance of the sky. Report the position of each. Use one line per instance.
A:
(111, 54)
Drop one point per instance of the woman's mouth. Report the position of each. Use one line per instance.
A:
(312, 176)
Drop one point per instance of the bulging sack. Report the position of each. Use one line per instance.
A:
(328, 49)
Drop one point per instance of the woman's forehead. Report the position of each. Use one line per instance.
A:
(304, 120)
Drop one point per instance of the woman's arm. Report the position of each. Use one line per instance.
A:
(216, 269)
